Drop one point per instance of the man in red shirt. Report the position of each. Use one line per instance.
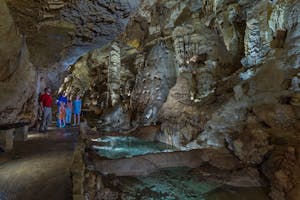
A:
(46, 104)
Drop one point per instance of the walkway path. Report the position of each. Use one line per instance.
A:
(38, 169)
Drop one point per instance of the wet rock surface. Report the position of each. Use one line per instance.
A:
(38, 168)
(183, 184)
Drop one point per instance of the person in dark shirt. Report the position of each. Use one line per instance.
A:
(46, 107)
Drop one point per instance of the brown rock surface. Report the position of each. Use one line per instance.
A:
(250, 146)
(276, 116)
(282, 168)
(17, 75)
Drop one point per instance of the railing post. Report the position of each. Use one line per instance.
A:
(7, 139)
(21, 133)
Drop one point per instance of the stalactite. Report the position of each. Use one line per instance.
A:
(114, 74)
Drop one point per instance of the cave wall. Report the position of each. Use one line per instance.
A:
(212, 74)
(59, 32)
(213, 58)
(39, 41)
(18, 77)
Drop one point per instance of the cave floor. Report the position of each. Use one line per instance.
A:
(39, 167)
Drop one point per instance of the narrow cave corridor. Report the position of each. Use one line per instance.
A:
(150, 99)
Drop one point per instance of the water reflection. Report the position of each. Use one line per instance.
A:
(114, 147)
(180, 184)
(168, 184)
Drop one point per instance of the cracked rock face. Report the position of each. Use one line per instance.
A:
(59, 32)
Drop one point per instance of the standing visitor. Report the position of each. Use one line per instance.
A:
(68, 112)
(62, 115)
(62, 98)
(46, 104)
(77, 109)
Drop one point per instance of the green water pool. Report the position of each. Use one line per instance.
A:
(114, 147)
(168, 184)
(180, 184)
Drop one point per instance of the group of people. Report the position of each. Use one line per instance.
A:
(65, 109)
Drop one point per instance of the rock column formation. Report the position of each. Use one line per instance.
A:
(114, 74)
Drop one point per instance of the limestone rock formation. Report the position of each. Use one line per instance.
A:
(59, 32)
(18, 77)
(206, 74)
(213, 74)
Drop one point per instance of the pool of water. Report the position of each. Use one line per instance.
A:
(114, 147)
(181, 184)
(168, 184)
